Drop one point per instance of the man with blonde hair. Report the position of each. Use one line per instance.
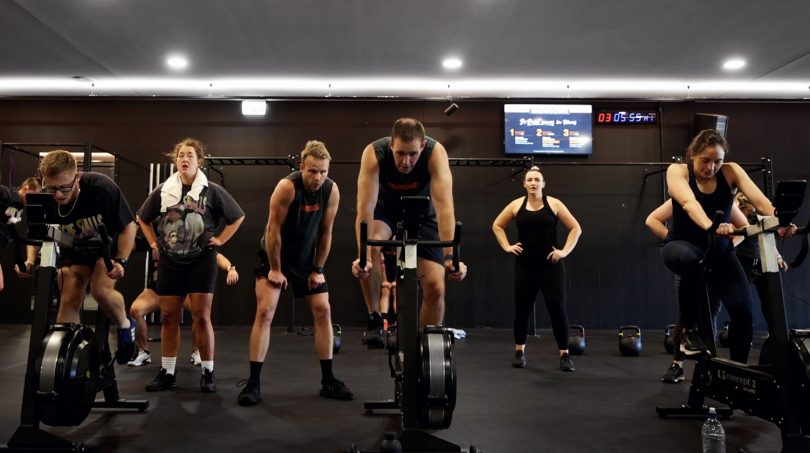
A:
(86, 201)
(294, 249)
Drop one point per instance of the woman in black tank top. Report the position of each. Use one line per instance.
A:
(698, 188)
(538, 261)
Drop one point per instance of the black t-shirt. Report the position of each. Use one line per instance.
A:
(394, 185)
(11, 206)
(99, 202)
(184, 229)
(301, 228)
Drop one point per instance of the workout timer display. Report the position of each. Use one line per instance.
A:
(626, 117)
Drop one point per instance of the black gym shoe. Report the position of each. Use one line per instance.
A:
(520, 359)
(207, 384)
(692, 344)
(673, 375)
(251, 395)
(374, 338)
(127, 351)
(566, 362)
(336, 389)
(163, 381)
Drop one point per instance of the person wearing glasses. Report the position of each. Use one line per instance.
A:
(86, 201)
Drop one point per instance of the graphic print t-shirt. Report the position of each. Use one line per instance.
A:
(10, 207)
(184, 229)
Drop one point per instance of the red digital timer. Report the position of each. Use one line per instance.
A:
(627, 117)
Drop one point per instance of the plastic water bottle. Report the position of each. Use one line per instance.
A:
(713, 434)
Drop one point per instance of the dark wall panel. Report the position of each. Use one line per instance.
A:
(615, 274)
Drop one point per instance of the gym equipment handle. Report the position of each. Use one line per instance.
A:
(455, 243)
(711, 234)
(105, 248)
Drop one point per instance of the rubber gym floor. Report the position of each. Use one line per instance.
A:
(607, 405)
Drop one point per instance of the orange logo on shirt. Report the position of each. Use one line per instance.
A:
(310, 207)
(406, 186)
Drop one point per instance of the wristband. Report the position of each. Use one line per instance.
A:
(122, 261)
(317, 270)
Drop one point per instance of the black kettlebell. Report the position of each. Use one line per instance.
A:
(337, 339)
(723, 337)
(669, 338)
(630, 340)
(576, 339)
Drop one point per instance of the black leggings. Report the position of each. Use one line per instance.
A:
(550, 279)
(724, 279)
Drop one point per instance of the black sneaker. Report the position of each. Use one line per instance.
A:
(566, 362)
(127, 350)
(163, 381)
(520, 359)
(673, 375)
(207, 384)
(251, 395)
(692, 344)
(336, 389)
(374, 335)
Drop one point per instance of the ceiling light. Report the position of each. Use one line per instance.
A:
(452, 63)
(734, 64)
(177, 62)
(254, 107)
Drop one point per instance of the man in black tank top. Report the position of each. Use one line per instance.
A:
(296, 243)
(406, 163)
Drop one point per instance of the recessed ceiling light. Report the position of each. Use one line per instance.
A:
(734, 64)
(452, 63)
(177, 61)
(254, 107)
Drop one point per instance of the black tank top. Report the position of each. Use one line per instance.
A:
(537, 232)
(683, 228)
(394, 184)
(300, 231)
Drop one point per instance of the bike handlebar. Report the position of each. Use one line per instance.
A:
(365, 242)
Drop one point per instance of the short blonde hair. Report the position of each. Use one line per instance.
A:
(57, 162)
(316, 149)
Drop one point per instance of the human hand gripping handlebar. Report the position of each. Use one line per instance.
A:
(365, 242)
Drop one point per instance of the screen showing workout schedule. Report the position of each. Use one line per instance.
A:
(564, 129)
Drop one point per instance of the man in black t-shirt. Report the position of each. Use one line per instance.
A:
(406, 163)
(295, 246)
(86, 201)
(11, 211)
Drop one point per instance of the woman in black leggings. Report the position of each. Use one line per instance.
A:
(538, 261)
(700, 187)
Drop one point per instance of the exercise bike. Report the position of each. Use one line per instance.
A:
(67, 363)
(779, 390)
(421, 362)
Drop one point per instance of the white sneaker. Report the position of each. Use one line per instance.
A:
(143, 358)
(195, 357)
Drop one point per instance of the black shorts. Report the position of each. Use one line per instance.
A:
(69, 257)
(299, 285)
(181, 278)
(428, 232)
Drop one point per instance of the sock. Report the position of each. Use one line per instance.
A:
(168, 364)
(207, 364)
(326, 371)
(255, 370)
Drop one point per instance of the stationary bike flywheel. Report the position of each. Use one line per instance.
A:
(437, 380)
(67, 375)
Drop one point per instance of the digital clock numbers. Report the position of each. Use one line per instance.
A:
(626, 117)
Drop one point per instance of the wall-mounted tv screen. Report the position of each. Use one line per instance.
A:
(563, 129)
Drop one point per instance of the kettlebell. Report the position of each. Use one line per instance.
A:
(669, 338)
(630, 340)
(390, 443)
(723, 337)
(576, 340)
(337, 339)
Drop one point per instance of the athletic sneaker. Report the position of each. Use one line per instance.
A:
(520, 359)
(251, 395)
(195, 357)
(374, 335)
(336, 389)
(692, 344)
(566, 362)
(207, 384)
(143, 358)
(126, 344)
(673, 375)
(163, 381)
